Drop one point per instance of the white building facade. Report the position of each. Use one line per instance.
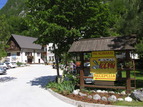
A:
(22, 49)
(48, 55)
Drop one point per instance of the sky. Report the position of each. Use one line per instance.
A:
(2, 3)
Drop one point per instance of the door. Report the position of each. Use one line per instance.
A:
(39, 61)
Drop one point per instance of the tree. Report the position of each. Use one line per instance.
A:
(18, 25)
(62, 22)
(128, 15)
(4, 34)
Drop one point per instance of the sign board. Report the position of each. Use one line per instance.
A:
(103, 67)
(105, 77)
(103, 54)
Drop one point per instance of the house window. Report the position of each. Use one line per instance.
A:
(38, 54)
(45, 49)
(8, 54)
(18, 53)
(28, 54)
(50, 48)
(50, 58)
(53, 58)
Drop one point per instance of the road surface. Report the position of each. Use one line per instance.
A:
(24, 87)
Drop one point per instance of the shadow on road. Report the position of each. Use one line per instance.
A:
(42, 81)
(6, 79)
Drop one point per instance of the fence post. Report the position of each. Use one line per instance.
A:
(128, 79)
(82, 71)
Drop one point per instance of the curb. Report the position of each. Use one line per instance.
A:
(78, 103)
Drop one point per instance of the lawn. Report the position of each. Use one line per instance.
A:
(138, 74)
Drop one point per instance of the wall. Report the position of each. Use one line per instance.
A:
(23, 56)
(50, 56)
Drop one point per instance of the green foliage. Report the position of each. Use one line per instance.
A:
(139, 48)
(14, 8)
(18, 25)
(4, 35)
(62, 22)
(19, 63)
(128, 16)
(15, 11)
(129, 104)
(66, 87)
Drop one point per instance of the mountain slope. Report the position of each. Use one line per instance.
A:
(13, 7)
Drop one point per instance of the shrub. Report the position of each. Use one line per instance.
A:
(66, 87)
(67, 84)
(19, 63)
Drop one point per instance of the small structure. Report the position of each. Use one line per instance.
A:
(103, 62)
(23, 49)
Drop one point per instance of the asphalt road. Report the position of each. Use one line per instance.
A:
(24, 87)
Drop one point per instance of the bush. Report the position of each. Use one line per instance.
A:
(19, 63)
(66, 87)
(67, 84)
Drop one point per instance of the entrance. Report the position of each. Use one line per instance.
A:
(29, 59)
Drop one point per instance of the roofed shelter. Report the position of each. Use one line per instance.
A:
(120, 43)
(104, 44)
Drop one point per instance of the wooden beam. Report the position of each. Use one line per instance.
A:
(128, 79)
(112, 87)
(81, 71)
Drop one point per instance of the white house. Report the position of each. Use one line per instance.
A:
(48, 56)
(23, 49)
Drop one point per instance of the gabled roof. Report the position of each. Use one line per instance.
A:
(26, 42)
(104, 44)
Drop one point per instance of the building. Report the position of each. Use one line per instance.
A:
(48, 56)
(23, 49)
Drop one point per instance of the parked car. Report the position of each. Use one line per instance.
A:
(87, 64)
(11, 64)
(4, 65)
(2, 70)
(87, 73)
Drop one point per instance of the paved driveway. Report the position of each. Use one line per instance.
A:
(23, 87)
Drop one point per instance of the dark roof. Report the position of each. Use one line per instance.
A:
(26, 42)
(104, 44)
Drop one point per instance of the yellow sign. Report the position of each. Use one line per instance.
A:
(107, 77)
(104, 68)
(103, 65)
(103, 54)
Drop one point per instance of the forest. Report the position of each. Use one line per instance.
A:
(63, 22)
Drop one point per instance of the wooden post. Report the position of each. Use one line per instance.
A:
(128, 79)
(81, 71)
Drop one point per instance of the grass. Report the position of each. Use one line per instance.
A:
(132, 104)
(138, 74)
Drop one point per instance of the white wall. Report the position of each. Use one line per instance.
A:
(13, 57)
(50, 54)
(132, 55)
(23, 58)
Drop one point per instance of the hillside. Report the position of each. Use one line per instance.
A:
(14, 7)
